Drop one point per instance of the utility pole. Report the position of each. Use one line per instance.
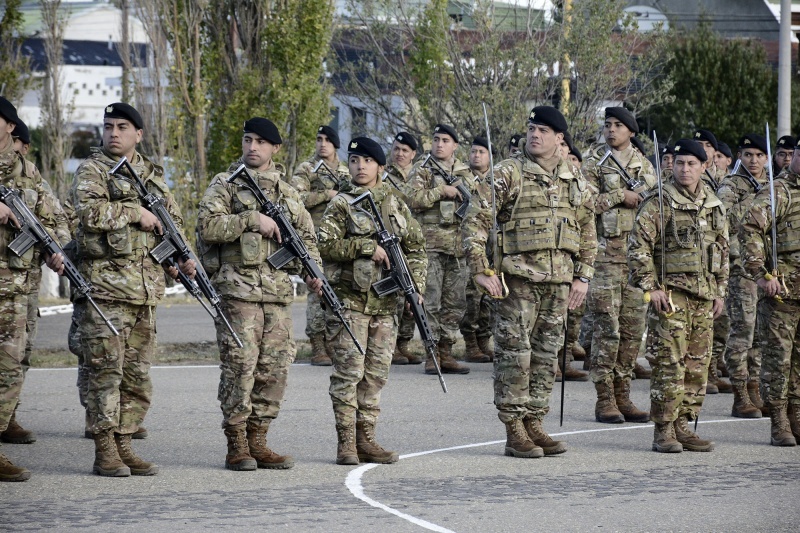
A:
(785, 71)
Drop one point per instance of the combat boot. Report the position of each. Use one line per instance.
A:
(534, 429)
(664, 440)
(398, 357)
(257, 443)
(138, 466)
(754, 391)
(742, 406)
(238, 457)
(720, 384)
(622, 396)
(793, 413)
(519, 443)
(781, 430)
(346, 452)
(16, 434)
(368, 449)
(11, 472)
(573, 374)
(711, 385)
(472, 353)
(140, 433)
(641, 372)
(689, 439)
(107, 461)
(605, 410)
(723, 370)
(319, 351)
(486, 347)
(446, 361)
(578, 353)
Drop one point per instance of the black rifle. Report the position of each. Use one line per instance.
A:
(635, 185)
(431, 164)
(173, 245)
(31, 233)
(293, 247)
(399, 278)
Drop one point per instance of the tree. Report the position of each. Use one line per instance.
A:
(15, 68)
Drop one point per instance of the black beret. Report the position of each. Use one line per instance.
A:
(8, 111)
(705, 135)
(725, 149)
(786, 142)
(753, 140)
(667, 149)
(548, 116)
(516, 139)
(21, 132)
(690, 147)
(480, 141)
(444, 128)
(331, 134)
(577, 153)
(406, 138)
(125, 111)
(637, 142)
(624, 116)
(264, 128)
(366, 147)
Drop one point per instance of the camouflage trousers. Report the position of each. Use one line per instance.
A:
(35, 280)
(405, 317)
(619, 323)
(722, 328)
(445, 298)
(528, 334)
(75, 347)
(315, 316)
(574, 331)
(681, 345)
(478, 313)
(742, 353)
(13, 314)
(357, 380)
(780, 348)
(252, 379)
(119, 390)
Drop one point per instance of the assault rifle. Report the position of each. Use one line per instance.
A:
(32, 233)
(430, 163)
(173, 246)
(635, 185)
(399, 278)
(323, 168)
(293, 247)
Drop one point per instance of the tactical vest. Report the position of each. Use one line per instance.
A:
(443, 212)
(12, 175)
(789, 226)
(619, 219)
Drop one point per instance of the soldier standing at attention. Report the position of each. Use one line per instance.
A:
(548, 249)
(685, 296)
(255, 296)
(434, 204)
(667, 160)
(347, 240)
(723, 157)
(316, 188)
(617, 306)
(784, 149)
(514, 144)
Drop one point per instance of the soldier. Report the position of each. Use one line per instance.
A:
(617, 306)
(316, 188)
(16, 273)
(667, 159)
(712, 174)
(548, 249)
(723, 158)
(115, 236)
(346, 239)
(783, 154)
(434, 204)
(255, 296)
(575, 156)
(685, 294)
(516, 143)
(779, 311)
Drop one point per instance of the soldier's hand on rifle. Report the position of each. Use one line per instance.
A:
(150, 222)
(56, 263)
(577, 293)
(717, 307)
(451, 193)
(771, 287)
(380, 256)
(660, 301)
(314, 285)
(7, 216)
(491, 283)
(268, 228)
(188, 267)
(632, 199)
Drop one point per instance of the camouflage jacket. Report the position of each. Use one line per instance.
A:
(228, 220)
(113, 251)
(560, 192)
(737, 192)
(614, 220)
(347, 242)
(437, 217)
(312, 185)
(398, 179)
(696, 243)
(713, 177)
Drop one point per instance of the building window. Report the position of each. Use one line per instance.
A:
(119, 92)
(71, 85)
(91, 92)
(98, 86)
(84, 85)
(76, 91)
(105, 93)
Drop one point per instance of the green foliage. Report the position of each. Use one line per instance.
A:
(15, 76)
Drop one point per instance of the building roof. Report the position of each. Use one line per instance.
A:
(87, 53)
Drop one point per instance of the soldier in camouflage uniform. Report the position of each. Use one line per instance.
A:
(16, 273)
(548, 249)
(617, 306)
(237, 239)
(346, 238)
(779, 311)
(742, 355)
(516, 143)
(115, 235)
(434, 204)
(316, 189)
(784, 149)
(695, 236)
(723, 158)
(667, 160)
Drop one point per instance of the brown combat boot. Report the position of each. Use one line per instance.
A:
(781, 430)
(472, 352)
(689, 439)
(754, 391)
(793, 412)
(641, 372)
(368, 449)
(519, 443)
(605, 410)
(319, 351)
(573, 374)
(446, 361)
(534, 429)
(721, 385)
(11, 472)
(257, 443)
(742, 406)
(141, 433)
(107, 461)
(723, 370)
(711, 384)
(238, 457)
(399, 357)
(16, 434)
(622, 396)
(138, 466)
(664, 440)
(346, 452)
(485, 345)
(578, 353)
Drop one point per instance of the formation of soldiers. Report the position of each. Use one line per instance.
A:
(546, 247)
